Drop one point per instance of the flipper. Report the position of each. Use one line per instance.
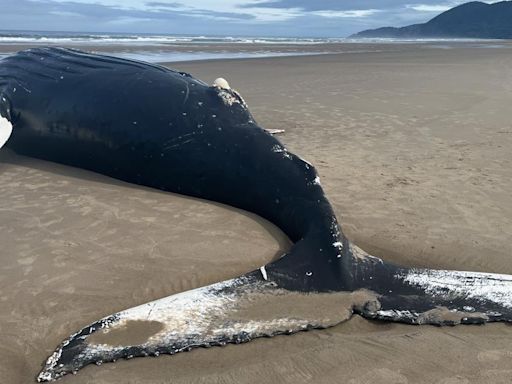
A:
(5, 130)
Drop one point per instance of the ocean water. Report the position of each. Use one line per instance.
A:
(170, 56)
(160, 48)
(173, 48)
(19, 37)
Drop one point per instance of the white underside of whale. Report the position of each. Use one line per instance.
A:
(5, 130)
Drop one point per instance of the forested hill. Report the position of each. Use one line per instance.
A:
(469, 20)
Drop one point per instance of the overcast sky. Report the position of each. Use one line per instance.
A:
(310, 18)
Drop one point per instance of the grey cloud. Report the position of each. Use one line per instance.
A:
(165, 5)
(332, 5)
(220, 15)
(159, 11)
(87, 17)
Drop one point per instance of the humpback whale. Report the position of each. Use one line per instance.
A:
(153, 126)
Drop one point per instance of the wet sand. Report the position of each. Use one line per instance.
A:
(209, 47)
(413, 150)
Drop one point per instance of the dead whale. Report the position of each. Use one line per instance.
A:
(153, 126)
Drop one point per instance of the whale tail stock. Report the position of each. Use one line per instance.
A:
(258, 304)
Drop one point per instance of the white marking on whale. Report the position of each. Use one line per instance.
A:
(221, 83)
(5, 130)
(484, 286)
(264, 273)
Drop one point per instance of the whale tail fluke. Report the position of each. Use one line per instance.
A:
(429, 296)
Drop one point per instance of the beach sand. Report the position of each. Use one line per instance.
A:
(413, 149)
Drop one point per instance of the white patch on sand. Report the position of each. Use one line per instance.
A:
(5, 130)
(473, 285)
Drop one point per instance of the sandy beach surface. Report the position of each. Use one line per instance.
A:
(413, 147)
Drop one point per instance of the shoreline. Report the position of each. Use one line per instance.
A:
(173, 53)
(201, 52)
